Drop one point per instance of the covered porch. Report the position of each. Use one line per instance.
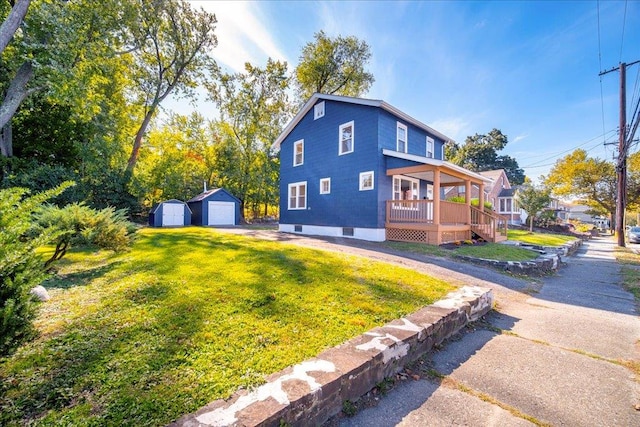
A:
(435, 221)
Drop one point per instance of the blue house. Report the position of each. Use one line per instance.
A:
(361, 168)
(215, 207)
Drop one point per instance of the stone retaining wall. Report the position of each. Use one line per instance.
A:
(548, 261)
(313, 391)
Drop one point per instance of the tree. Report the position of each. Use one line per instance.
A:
(333, 66)
(170, 46)
(254, 108)
(592, 181)
(179, 160)
(12, 22)
(532, 200)
(480, 153)
(21, 268)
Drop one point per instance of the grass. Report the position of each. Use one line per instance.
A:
(188, 316)
(542, 239)
(630, 270)
(497, 251)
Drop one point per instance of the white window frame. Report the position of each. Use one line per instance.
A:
(363, 179)
(325, 181)
(299, 143)
(406, 138)
(396, 190)
(298, 205)
(353, 137)
(318, 110)
(430, 147)
(503, 205)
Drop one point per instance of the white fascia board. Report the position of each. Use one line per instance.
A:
(358, 101)
(434, 162)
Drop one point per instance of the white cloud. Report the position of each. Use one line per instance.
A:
(242, 37)
(519, 138)
(453, 127)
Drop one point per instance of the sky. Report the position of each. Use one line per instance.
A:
(528, 68)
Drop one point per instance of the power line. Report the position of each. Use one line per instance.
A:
(600, 65)
(624, 21)
(604, 136)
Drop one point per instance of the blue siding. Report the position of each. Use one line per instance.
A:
(200, 208)
(345, 206)
(417, 137)
(155, 215)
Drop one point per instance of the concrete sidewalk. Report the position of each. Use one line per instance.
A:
(559, 357)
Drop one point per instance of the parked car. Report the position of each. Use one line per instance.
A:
(633, 235)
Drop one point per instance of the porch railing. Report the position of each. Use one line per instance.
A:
(490, 226)
(421, 211)
(453, 213)
(418, 211)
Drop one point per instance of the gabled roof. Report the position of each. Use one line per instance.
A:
(200, 197)
(358, 101)
(156, 206)
(493, 174)
(443, 165)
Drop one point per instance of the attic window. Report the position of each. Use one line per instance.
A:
(318, 110)
(401, 138)
(430, 144)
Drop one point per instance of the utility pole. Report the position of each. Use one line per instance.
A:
(621, 165)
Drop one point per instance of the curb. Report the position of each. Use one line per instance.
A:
(313, 391)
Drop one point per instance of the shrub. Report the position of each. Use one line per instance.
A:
(488, 206)
(81, 225)
(21, 268)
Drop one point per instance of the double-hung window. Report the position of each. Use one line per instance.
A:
(346, 136)
(298, 152)
(298, 195)
(318, 110)
(401, 138)
(430, 144)
(325, 186)
(366, 181)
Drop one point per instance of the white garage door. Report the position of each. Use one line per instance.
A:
(222, 213)
(172, 214)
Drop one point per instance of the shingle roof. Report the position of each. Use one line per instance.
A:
(204, 195)
(360, 101)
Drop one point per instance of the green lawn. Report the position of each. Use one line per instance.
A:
(542, 239)
(188, 316)
(497, 252)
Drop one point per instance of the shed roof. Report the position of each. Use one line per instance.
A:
(359, 101)
(200, 197)
(155, 207)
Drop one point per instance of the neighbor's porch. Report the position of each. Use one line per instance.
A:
(438, 221)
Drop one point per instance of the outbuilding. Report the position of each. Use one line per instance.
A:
(170, 213)
(215, 207)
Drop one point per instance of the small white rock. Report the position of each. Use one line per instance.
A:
(41, 293)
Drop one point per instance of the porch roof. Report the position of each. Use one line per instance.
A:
(450, 174)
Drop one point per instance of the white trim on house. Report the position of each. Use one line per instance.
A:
(341, 140)
(358, 101)
(434, 162)
(328, 182)
(298, 205)
(401, 126)
(362, 181)
(430, 150)
(370, 234)
(298, 143)
(318, 110)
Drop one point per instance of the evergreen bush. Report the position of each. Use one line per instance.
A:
(21, 269)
